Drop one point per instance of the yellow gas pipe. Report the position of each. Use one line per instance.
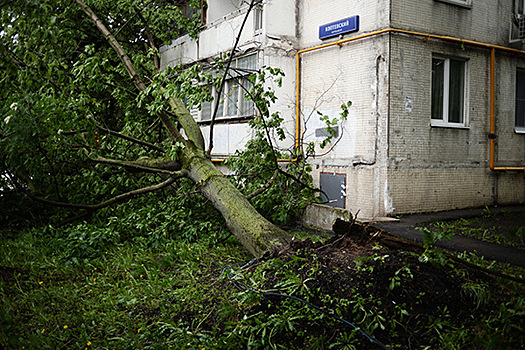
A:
(493, 49)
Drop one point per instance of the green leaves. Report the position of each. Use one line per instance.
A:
(61, 79)
(287, 196)
(330, 124)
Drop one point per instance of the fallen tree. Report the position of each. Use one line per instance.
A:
(86, 81)
(255, 233)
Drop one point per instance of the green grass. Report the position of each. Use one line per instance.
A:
(128, 297)
(82, 288)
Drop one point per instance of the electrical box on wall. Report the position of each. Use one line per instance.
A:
(334, 186)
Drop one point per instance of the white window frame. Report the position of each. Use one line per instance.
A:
(232, 86)
(462, 3)
(444, 121)
(258, 18)
(518, 129)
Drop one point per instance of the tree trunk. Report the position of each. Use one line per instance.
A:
(255, 233)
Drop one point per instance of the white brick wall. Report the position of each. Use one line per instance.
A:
(434, 189)
(388, 137)
(313, 13)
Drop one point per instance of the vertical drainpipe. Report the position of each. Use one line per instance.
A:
(492, 120)
(298, 135)
(492, 132)
(388, 200)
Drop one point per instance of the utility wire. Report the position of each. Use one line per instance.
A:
(243, 286)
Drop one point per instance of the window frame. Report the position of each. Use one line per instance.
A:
(236, 80)
(444, 121)
(520, 7)
(462, 3)
(184, 6)
(258, 18)
(519, 129)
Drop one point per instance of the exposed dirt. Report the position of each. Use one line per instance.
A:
(362, 265)
(369, 279)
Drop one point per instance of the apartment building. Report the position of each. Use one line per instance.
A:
(437, 87)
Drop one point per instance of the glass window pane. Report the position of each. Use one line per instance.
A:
(248, 63)
(520, 98)
(247, 107)
(257, 17)
(233, 97)
(456, 91)
(220, 108)
(206, 109)
(438, 72)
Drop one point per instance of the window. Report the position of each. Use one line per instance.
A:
(448, 92)
(234, 101)
(463, 3)
(257, 17)
(520, 101)
(190, 12)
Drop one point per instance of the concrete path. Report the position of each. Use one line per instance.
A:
(406, 228)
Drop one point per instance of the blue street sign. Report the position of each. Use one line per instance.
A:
(347, 25)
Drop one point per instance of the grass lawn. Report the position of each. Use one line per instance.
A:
(128, 297)
(86, 290)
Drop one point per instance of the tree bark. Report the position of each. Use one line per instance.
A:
(156, 165)
(255, 233)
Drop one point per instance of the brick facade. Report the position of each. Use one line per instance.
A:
(393, 159)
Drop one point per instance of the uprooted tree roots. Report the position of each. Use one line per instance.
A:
(364, 282)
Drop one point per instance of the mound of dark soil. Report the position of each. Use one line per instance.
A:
(388, 292)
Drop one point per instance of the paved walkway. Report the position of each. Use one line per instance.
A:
(406, 228)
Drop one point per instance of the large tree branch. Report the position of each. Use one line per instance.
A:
(184, 118)
(114, 200)
(114, 43)
(131, 139)
(162, 165)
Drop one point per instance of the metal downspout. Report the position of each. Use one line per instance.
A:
(492, 133)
